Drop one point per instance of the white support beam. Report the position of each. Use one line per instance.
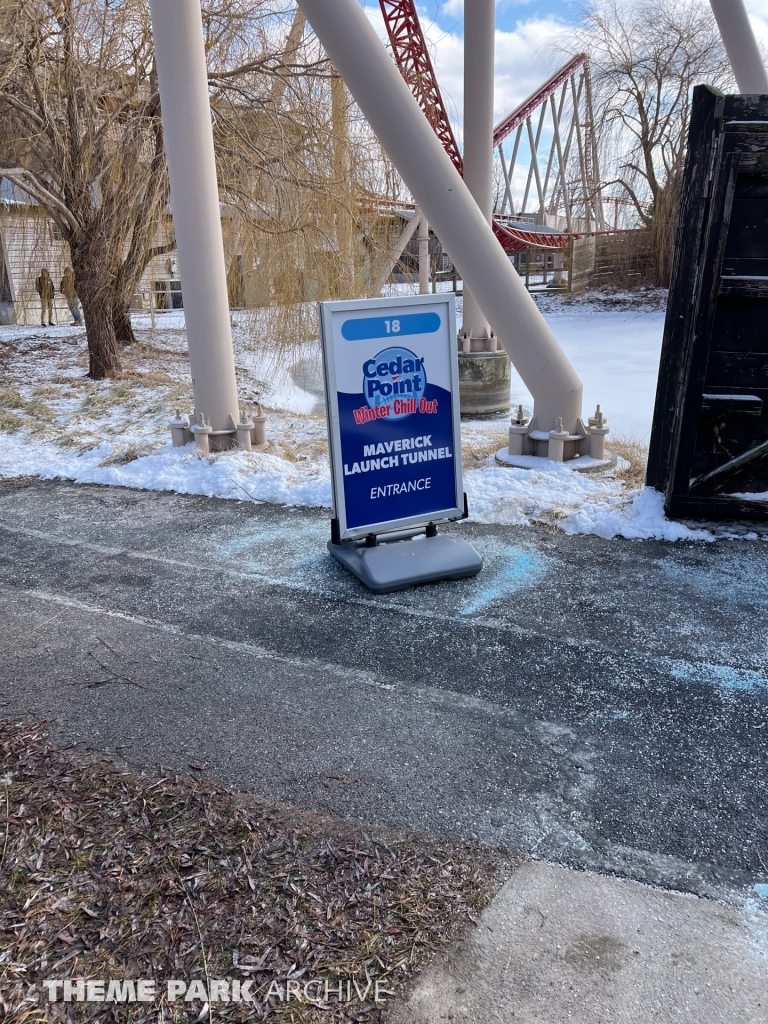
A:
(509, 172)
(597, 198)
(479, 46)
(535, 158)
(741, 46)
(177, 29)
(560, 163)
(534, 145)
(552, 148)
(396, 252)
(571, 130)
(385, 100)
(507, 185)
(580, 145)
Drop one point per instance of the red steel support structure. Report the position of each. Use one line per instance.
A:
(410, 51)
(505, 128)
(579, 140)
(412, 57)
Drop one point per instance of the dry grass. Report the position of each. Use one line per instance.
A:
(146, 378)
(475, 450)
(142, 394)
(106, 874)
(97, 402)
(10, 398)
(48, 391)
(310, 448)
(125, 453)
(9, 422)
(636, 454)
(148, 350)
(80, 442)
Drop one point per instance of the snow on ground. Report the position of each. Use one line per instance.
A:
(55, 423)
(614, 346)
(614, 343)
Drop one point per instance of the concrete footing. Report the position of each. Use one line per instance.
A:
(583, 450)
(484, 383)
(249, 435)
(584, 464)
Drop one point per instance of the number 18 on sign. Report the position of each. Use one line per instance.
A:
(391, 377)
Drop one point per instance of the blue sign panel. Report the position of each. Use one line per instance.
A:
(391, 380)
(390, 327)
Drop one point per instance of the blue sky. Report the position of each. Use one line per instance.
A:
(508, 12)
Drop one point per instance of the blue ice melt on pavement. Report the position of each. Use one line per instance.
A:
(725, 677)
(507, 569)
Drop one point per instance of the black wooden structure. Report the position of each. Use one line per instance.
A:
(709, 446)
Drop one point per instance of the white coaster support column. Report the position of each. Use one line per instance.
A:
(384, 98)
(395, 253)
(741, 46)
(424, 267)
(177, 28)
(479, 49)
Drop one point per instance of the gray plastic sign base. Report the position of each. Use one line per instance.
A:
(400, 563)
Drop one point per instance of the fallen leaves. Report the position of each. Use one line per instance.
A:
(108, 874)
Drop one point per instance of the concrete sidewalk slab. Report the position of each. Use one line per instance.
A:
(560, 946)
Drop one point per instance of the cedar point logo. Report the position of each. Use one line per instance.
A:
(393, 383)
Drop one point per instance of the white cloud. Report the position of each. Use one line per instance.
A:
(457, 6)
(524, 59)
(758, 16)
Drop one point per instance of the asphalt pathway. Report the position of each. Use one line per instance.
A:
(596, 704)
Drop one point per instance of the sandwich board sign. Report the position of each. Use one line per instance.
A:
(392, 394)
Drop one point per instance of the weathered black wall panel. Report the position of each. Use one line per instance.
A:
(710, 432)
(740, 326)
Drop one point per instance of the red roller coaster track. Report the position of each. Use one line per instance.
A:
(412, 57)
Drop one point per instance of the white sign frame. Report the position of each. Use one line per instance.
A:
(398, 306)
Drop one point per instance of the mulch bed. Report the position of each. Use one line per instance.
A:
(108, 874)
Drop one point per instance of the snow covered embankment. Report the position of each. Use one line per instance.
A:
(54, 423)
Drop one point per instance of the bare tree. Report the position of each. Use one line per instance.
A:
(81, 132)
(647, 55)
(298, 164)
(81, 117)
